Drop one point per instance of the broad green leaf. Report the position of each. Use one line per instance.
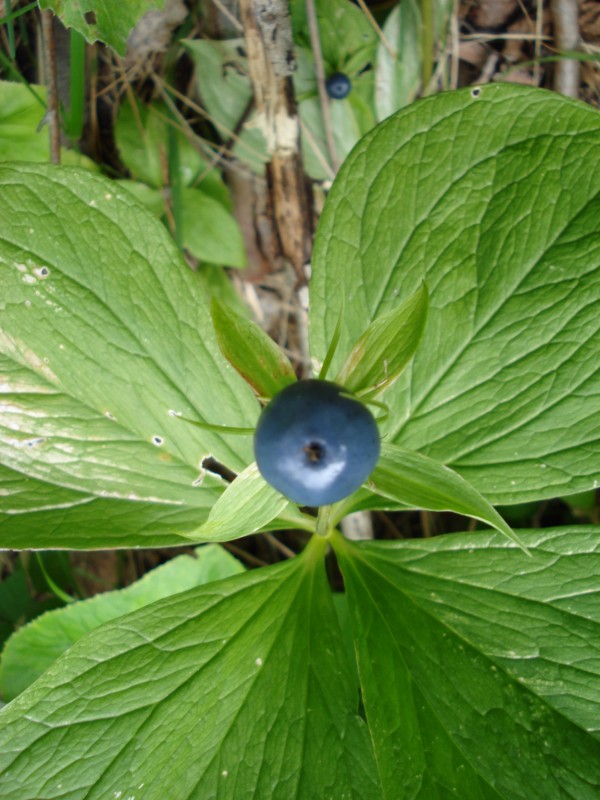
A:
(32, 649)
(106, 336)
(241, 688)
(110, 21)
(209, 231)
(479, 666)
(251, 351)
(248, 504)
(35, 514)
(22, 134)
(420, 482)
(41, 432)
(385, 348)
(398, 79)
(491, 196)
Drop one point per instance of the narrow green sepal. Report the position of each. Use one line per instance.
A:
(386, 347)
(251, 351)
(421, 482)
(331, 350)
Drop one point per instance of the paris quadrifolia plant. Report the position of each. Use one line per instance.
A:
(454, 332)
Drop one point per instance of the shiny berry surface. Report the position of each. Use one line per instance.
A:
(315, 444)
(338, 86)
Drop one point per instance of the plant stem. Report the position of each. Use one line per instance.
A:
(323, 520)
(315, 42)
(77, 86)
(52, 84)
(427, 42)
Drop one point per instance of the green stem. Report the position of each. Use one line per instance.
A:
(77, 86)
(54, 588)
(10, 29)
(427, 42)
(323, 520)
(175, 185)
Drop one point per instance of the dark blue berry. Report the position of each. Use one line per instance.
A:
(338, 86)
(315, 444)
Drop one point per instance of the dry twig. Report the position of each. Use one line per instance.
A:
(566, 33)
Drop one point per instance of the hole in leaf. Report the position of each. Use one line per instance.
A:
(90, 17)
(211, 464)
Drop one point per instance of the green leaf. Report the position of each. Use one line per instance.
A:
(397, 80)
(22, 110)
(346, 133)
(241, 688)
(478, 665)
(385, 348)
(150, 198)
(110, 21)
(226, 92)
(491, 196)
(36, 514)
(53, 437)
(248, 505)
(32, 649)
(344, 32)
(106, 335)
(142, 137)
(209, 231)
(216, 283)
(251, 351)
(22, 135)
(420, 482)
(350, 118)
(222, 75)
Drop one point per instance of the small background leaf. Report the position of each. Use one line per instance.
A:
(226, 91)
(397, 80)
(209, 231)
(112, 22)
(32, 649)
(22, 110)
